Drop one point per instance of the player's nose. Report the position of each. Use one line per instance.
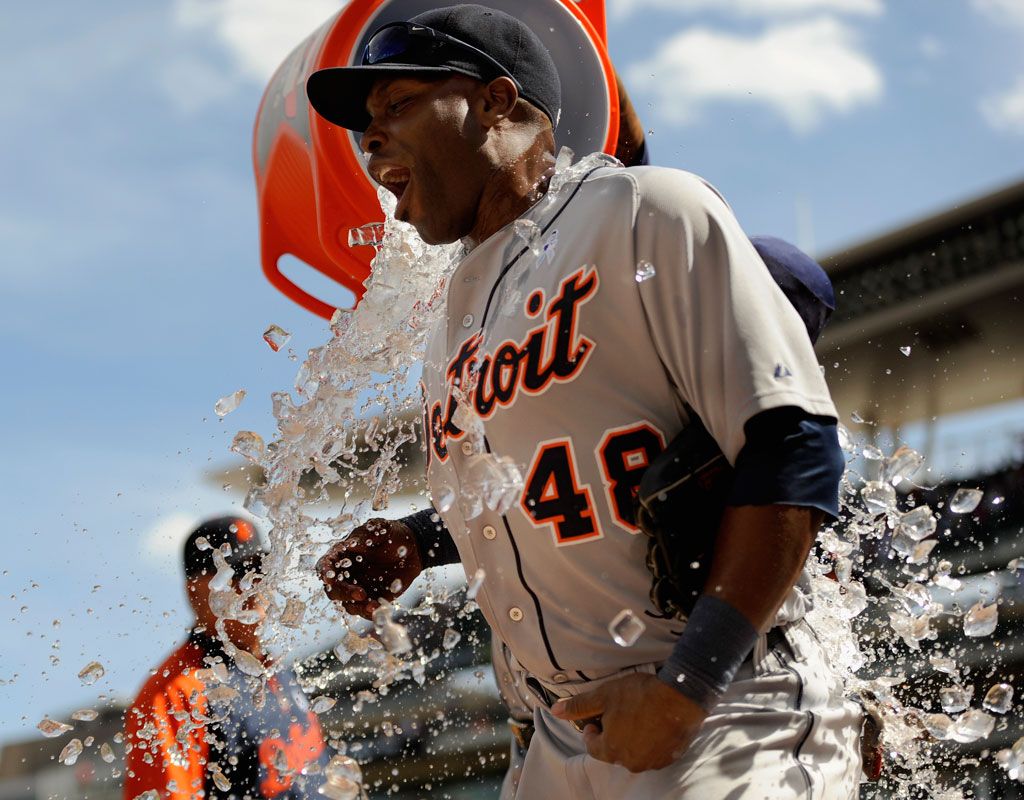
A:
(372, 139)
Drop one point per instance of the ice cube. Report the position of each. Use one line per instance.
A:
(85, 715)
(938, 725)
(51, 728)
(905, 350)
(72, 750)
(107, 753)
(342, 772)
(918, 524)
(981, 619)
(366, 235)
(202, 543)
(879, 497)
(1015, 564)
(626, 628)
(943, 664)
(248, 663)
(964, 501)
(276, 336)
(294, 612)
(922, 551)
(902, 465)
(248, 445)
(954, 699)
(530, 232)
(393, 635)
(322, 704)
(853, 599)
(220, 780)
(445, 499)
(473, 588)
(149, 794)
(396, 586)
(229, 403)
(644, 271)
(872, 453)
(451, 638)
(91, 673)
(999, 699)
(971, 726)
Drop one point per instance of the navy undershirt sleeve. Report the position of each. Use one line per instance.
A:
(790, 457)
(437, 548)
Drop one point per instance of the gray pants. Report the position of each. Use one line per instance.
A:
(782, 732)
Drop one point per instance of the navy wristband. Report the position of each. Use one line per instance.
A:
(716, 640)
(435, 542)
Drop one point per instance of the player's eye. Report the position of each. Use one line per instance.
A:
(398, 105)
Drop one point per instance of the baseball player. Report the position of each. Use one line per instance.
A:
(197, 729)
(642, 308)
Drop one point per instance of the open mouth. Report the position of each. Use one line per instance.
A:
(395, 179)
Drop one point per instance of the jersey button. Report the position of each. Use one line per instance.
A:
(559, 677)
(467, 448)
(515, 614)
(467, 320)
(489, 532)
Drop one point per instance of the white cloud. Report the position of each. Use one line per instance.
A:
(1004, 111)
(1002, 11)
(258, 34)
(753, 8)
(802, 71)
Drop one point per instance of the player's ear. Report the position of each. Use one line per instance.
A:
(495, 101)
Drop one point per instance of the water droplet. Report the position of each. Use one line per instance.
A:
(981, 620)
(322, 704)
(393, 636)
(221, 780)
(229, 403)
(856, 418)
(107, 753)
(530, 232)
(872, 453)
(149, 794)
(626, 628)
(396, 586)
(964, 501)
(644, 271)
(85, 715)
(402, 551)
(72, 750)
(999, 698)
(451, 638)
(905, 350)
(248, 445)
(445, 499)
(276, 336)
(474, 584)
(248, 663)
(344, 779)
(91, 673)
(51, 728)
(202, 543)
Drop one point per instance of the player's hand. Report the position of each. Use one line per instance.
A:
(378, 560)
(645, 723)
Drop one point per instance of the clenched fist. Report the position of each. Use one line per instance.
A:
(378, 560)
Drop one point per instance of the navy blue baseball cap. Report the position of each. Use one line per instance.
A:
(246, 550)
(472, 40)
(801, 279)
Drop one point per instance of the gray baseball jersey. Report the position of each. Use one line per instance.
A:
(638, 295)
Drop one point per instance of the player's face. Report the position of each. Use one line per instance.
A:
(425, 147)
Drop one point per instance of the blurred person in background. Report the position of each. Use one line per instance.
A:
(202, 726)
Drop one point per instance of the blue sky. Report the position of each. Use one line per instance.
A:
(132, 297)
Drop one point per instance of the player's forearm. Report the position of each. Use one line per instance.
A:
(437, 548)
(759, 553)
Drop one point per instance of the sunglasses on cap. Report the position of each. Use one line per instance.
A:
(407, 42)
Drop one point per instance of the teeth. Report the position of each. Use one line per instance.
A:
(386, 171)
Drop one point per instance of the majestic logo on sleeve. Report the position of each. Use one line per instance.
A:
(551, 352)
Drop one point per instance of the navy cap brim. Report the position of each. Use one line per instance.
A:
(338, 94)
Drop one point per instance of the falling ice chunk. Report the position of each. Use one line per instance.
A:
(445, 499)
(72, 750)
(322, 704)
(971, 726)
(954, 699)
(905, 350)
(149, 794)
(938, 725)
(964, 501)
(343, 774)
(915, 598)
(248, 663)
(942, 664)
(107, 753)
(227, 404)
(918, 524)
(999, 699)
(85, 715)
(853, 599)
(451, 638)
(856, 418)
(872, 453)
(845, 440)
(879, 497)
(91, 673)
(626, 628)
(393, 636)
(530, 232)
(221, 780)
(902, 465)
(51, 729)
(366, 235)
(474, 584)
(248, 445)
(922, 552)
(221, 694)
(276, 336)
(293, 614)
(202, 543)
(1015, 564)
(644, 271)
(396, 586)
(981, 620)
